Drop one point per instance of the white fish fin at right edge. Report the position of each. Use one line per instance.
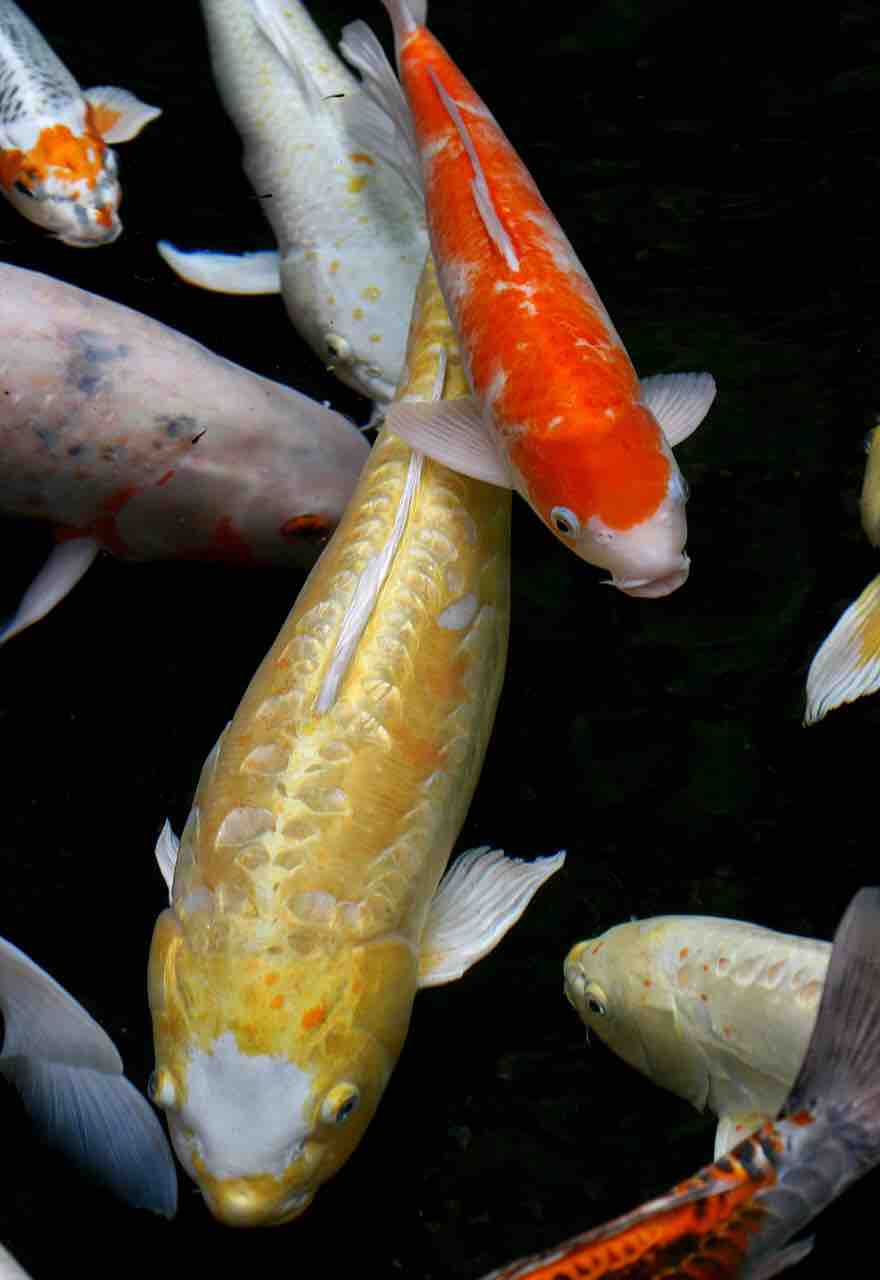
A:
(378, 118)
(679, 402)
(9, 1268)
(167, 849)
(269, 17)
(491, 218)
(455, 433)
(481, 896)
(117, 114)
(781, 1260)
(240, 273)
(736, 1126)
(847, 664)
(69, 1076)
(67, 563)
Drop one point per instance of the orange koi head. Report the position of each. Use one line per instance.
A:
(66, 182)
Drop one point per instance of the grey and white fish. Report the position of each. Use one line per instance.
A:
(350, 232)
(55, 165)
(719, 1011)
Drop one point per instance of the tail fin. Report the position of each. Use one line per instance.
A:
(847, 665)
(841, 1069)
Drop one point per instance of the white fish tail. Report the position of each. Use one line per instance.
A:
(847, 665)
(406, 17)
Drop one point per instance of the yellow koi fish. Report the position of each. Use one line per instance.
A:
(847, 665)
(55, 165)
(306, 911)
(718, 1011)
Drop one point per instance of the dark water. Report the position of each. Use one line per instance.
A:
(716, 166)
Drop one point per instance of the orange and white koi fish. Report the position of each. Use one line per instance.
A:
(307, 905)
(55, 164)
(69, 1076)
(735, 1218)
(150, 446)
(557, 412)
(847, 664)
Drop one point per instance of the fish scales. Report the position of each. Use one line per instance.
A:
(323, 821)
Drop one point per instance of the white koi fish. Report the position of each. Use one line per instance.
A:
(149, 446)
(847, 664)
(719, 1011)
(69, 1076)
(55, 165)
(307, 901)
(351, 234)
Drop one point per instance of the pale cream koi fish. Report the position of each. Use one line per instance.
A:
(150, 446)
(305, 908)
(847, 664)
(718, 1011)
(351, 234)
(69, 1076)
(55, 165)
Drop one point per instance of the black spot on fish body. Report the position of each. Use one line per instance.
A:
(182, 425)
(94, 353)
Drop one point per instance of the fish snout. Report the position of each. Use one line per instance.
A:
(574, 976)
(652, 588)
(248, 1202)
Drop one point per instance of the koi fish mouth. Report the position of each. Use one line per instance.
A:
(242, 1202)
(653, 588)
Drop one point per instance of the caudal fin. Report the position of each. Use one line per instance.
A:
(841, 1070)
(847, 665)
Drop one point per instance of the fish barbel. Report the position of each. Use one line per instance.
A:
(305, 904)
(55, 165)
(734, 1219)
(557, 411)
(719, 1011)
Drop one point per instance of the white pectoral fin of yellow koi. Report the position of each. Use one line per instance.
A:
(379, 119)
(240, 273)
(9, 1268)
(67, 563)
(118, 115)
(167, 848)
(782, 1259)
(479, 899)
(69, 1076)
(847, 665)
(734, 1126)
(679, 402)
(455, 433)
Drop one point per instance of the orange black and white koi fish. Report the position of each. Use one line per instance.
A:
(735, 1218)
(55, 164)
(150, 446)
(847, 664)
(558, 412)
(69, 1076)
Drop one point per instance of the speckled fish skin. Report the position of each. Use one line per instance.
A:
(55, 166)
(318, 837)
(734, 1220)
(718, 1011)
(112, 424)
(351, 235)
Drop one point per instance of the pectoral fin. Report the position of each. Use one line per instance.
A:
(734, 1127)
(167, 848)
(781, 1260)
(847, 665)
(679, 402)
(482, 895)
(69, 1076)
(453, 432)
(67, 563)
(117, 114)
(241, 273)
(9, 1268)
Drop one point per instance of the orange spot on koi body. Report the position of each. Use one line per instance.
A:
(646, 982)
(802, 1117)
(75, 158)
(683, 954)
(361, 157)
(164, 479)
(270, 979)
(276, 1002)
(313, 1017)
(305, 526)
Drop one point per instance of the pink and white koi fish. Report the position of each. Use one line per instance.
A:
(69, 1076)
(736, 1218)
(55, 165)
(847, 664)
(130, 437)
(350, 232)
(557, 411)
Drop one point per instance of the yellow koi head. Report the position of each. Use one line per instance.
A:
(65, 181)
(270, 1061)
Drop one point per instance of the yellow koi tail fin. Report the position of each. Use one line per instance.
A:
(847, 665)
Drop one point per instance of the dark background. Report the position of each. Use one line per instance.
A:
(716, 167)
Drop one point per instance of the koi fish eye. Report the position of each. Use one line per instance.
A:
(565, 522)
(595, 999)
(340, 1102)
(23, 190)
